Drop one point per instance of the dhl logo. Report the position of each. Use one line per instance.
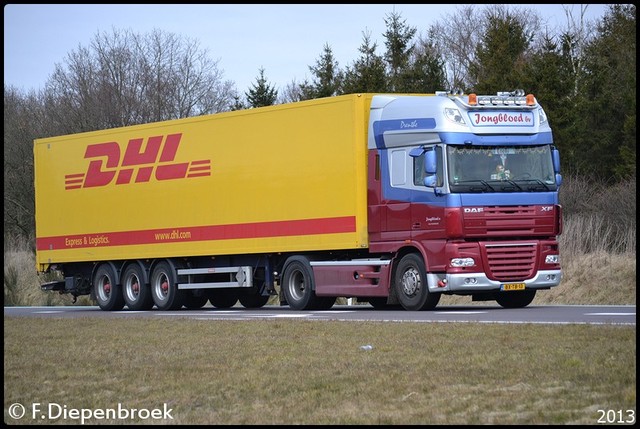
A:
(151, 162)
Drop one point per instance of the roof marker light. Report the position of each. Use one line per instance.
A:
(531, 100)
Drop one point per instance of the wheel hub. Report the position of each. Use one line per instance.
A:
(410, 282)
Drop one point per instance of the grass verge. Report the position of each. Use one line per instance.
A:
(311, 372)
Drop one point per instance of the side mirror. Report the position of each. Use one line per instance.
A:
(555, 156)
(416, 152)
(558, 179)
(431, 181)
(430, 162)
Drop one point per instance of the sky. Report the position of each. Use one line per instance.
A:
(284, 40)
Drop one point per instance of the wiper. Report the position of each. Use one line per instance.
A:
(472, 189)
(506, 188)
(514, 184)
(537, 182)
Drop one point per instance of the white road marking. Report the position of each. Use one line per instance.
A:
(610, 314)
(461, 312)
(278, 315)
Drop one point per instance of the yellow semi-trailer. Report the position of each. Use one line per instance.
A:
(277, 179)
(379, 197)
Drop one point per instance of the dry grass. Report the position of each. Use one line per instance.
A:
(306, 372)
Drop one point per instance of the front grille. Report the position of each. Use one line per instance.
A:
(511, 262)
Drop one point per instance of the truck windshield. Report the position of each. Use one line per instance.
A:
(500, 169)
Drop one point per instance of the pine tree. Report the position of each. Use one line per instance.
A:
(609, 106)
(237, 104)
(261, 94)
(367, 74)
(500, 55)
(425, 72)
(399, 47)
(327, 75)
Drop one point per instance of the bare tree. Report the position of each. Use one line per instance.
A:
(23, 122)
(579, 32)
(455, 36)
(124, 78)
(293, 92)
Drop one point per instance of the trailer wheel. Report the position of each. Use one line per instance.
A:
(298, 285)
(164, 287)
(253, 299)
(516, 299)
(410, 282)
(108, 293)
(137, 294)
(194, 300)
(223, 298)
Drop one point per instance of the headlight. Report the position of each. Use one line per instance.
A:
(462, 262)
(552, 259)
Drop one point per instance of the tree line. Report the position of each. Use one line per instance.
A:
(583, 74)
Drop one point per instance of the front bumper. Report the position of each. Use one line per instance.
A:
(479, 282)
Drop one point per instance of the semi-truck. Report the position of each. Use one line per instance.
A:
(386, 199)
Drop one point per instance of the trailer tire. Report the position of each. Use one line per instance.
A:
(516, 299)
(194, 300)
(253, 299)
(223, 298)
(164, 287)
(298, 284)
(410, 282)
(107, 291)
(136, 292)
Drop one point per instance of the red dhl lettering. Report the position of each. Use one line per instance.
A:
(154, 160)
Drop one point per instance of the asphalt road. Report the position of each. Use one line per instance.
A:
(539, 314)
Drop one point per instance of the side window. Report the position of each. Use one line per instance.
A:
(398, 167)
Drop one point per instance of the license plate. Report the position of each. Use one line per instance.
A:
(513, 286)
